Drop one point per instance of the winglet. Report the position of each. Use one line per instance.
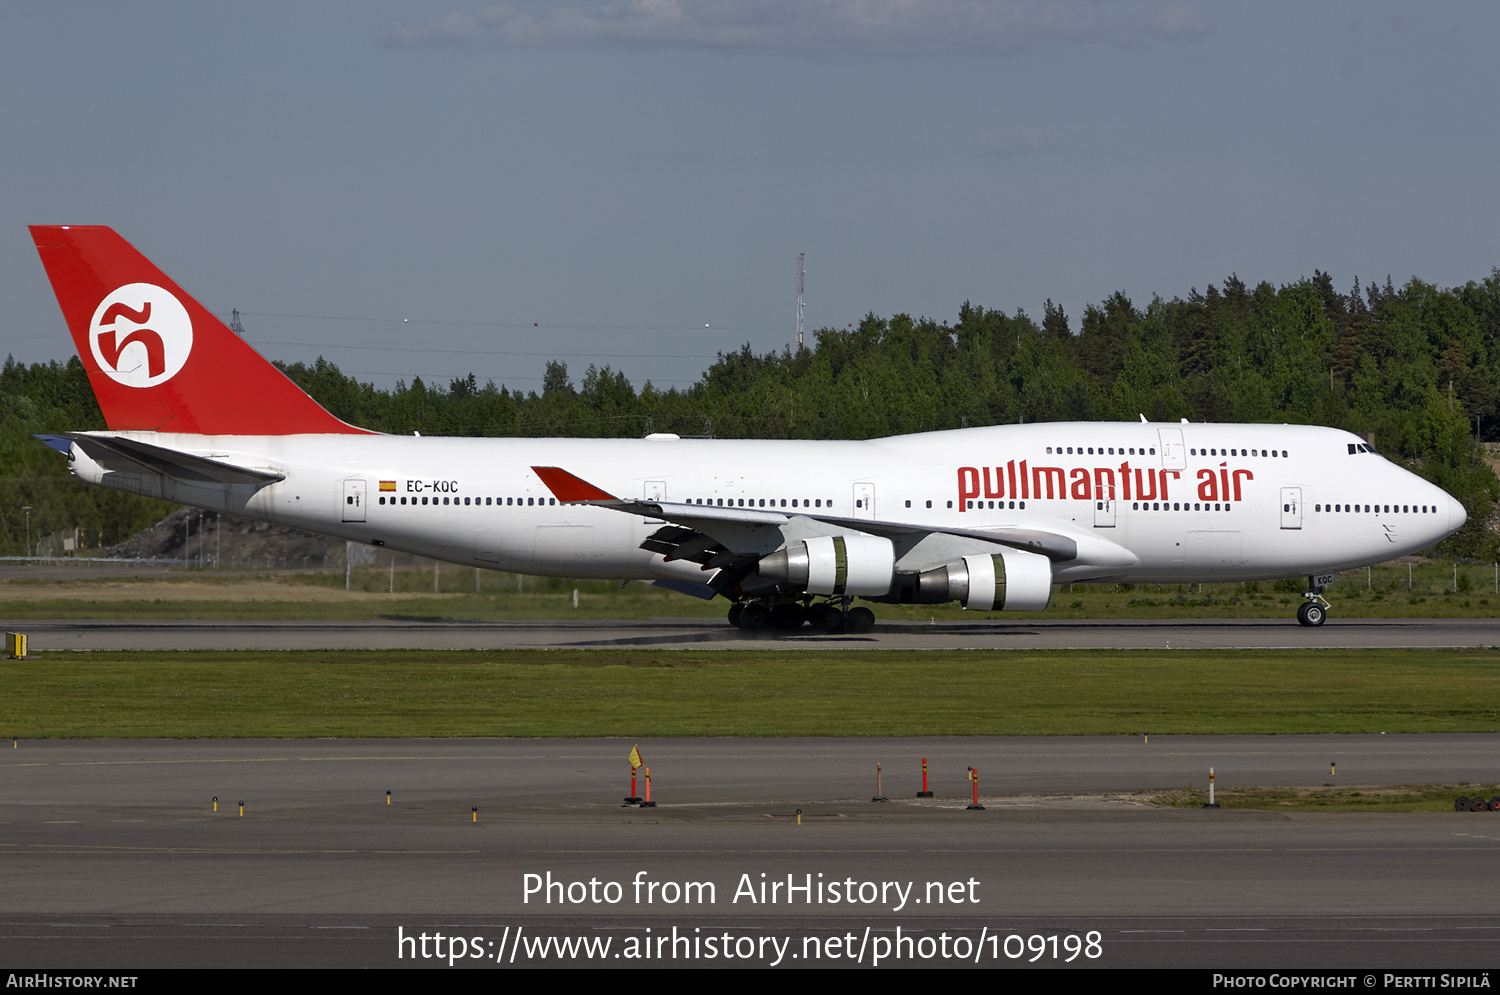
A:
(568, 488)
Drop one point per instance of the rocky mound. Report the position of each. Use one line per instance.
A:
(210, 539)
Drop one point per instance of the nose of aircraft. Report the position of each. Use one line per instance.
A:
(1457, 514)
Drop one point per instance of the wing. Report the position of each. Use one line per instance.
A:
(722, 537)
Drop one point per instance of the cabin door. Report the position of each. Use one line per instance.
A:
(1291, 507)
(354, 499)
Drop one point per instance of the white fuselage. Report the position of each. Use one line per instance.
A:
(1158, 502)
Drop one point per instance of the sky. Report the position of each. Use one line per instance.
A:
(433, 189)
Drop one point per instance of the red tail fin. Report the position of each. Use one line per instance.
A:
(157, 359)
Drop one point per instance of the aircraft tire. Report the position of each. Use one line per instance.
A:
(860, 620)
(755, 616)
(1311, 614)
(1461, 803)
(736, 612)
(825, 618)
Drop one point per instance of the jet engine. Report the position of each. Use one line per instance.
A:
(1011, 580)
(853, 564)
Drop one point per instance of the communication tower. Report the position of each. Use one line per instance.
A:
(799, 300)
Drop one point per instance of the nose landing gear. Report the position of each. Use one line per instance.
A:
(1313, 611)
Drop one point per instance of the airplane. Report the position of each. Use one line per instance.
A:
(790, 533)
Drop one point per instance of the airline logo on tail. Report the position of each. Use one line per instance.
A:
(141, 335)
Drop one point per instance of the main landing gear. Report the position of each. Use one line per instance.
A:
(1313, 611)
(825, 617)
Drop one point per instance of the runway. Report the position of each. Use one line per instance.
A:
(111, 855)
(697, 633)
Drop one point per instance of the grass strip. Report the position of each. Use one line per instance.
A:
(1330, 798)
(633, 606)
(527, 693)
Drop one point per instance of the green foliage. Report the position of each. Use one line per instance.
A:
(50, 398)
(1417, 369)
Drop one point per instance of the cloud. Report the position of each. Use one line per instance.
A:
(970, 28)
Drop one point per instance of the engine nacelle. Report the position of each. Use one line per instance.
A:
(855, 564)
(1011, 581)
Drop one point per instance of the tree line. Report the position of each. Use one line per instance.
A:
(1415, 369)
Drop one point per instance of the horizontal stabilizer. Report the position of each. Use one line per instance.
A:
(61, 443)
(116, 453)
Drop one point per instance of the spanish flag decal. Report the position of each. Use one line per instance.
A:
(387, 485)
